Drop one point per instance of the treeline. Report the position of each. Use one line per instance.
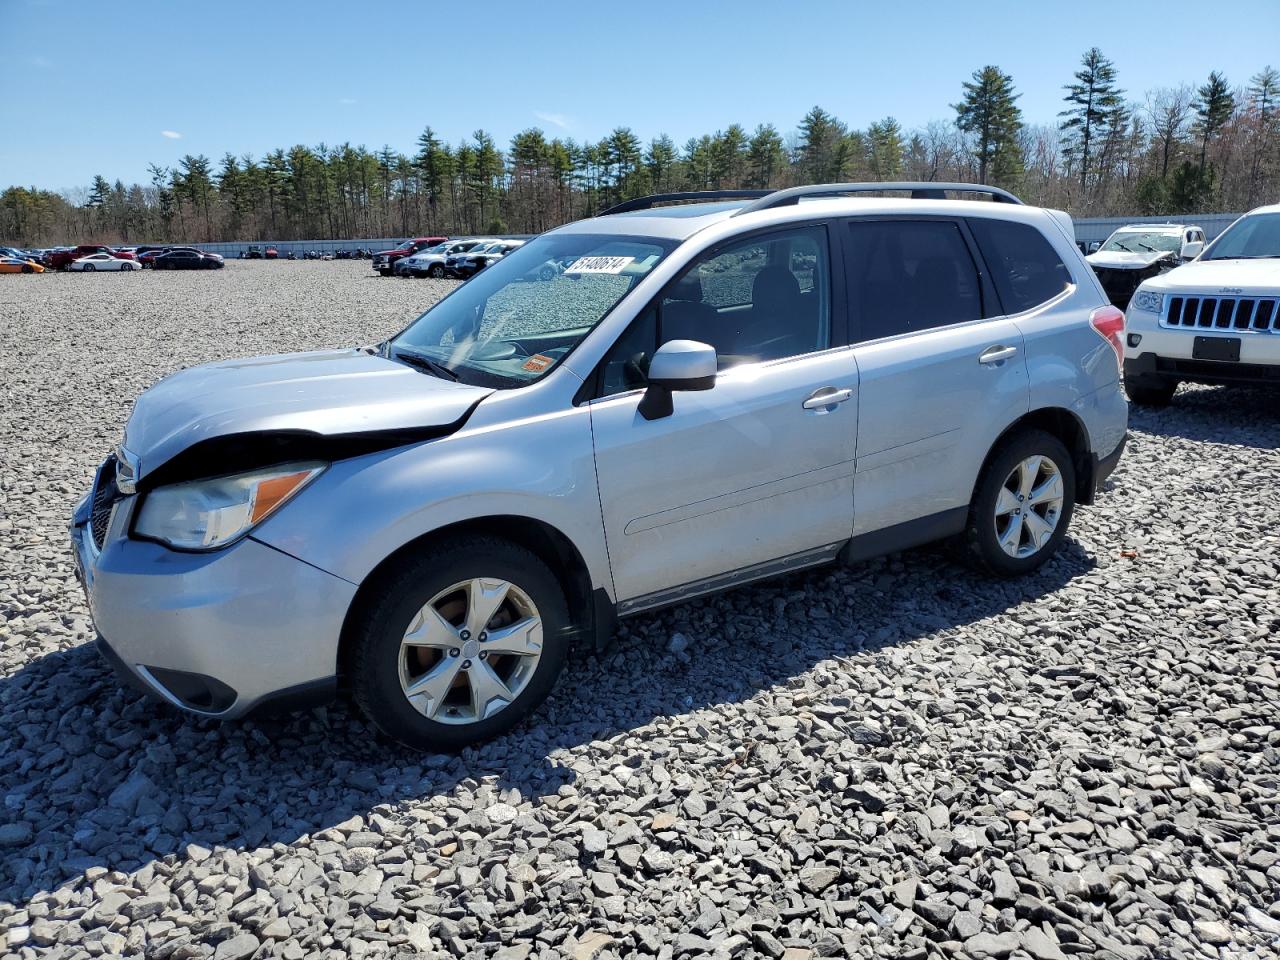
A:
(1194, 148)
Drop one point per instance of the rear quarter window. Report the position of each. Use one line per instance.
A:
(1025, 268)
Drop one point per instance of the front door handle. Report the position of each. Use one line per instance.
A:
(825, 397)
(997, 353)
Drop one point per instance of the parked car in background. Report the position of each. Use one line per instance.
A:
(1141, 251)
(1215, 320)
(724, 392)
(384, 262)
(271, 253)
(429, 262)
(14, 253)
(61, 259)
(102, 261)
(187, 259)
(466, 265)
(254, 252)
(19, 265)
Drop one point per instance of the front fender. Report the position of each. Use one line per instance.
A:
(360, 511)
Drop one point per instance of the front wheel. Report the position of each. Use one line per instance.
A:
(1150, 391)
(436, 272)
(27, 268)
(1022, 505)
(459, 644)
(89, 268)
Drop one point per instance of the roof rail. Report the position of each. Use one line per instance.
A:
(920, 190)
(645, 203)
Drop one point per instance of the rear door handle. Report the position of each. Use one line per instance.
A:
(827, 397)
(997, 353)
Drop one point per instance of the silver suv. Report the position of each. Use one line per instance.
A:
(708, 393)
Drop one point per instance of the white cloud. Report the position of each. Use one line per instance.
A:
(171, 134)
(347, 100)
(555, 119)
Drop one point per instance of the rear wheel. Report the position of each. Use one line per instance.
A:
(89, 268)
(460, 644)
(1150, 390)
(1022, 505)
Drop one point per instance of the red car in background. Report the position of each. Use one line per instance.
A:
(62, 259)
(271, 253)
(385, 261)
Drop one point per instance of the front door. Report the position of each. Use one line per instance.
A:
(755, 475)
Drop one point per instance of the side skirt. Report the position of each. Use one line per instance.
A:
(901, 536)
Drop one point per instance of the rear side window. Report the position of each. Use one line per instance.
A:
(909, 275)
(1025, 269)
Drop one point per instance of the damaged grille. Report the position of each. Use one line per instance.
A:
(1256, 314)
(105, 495)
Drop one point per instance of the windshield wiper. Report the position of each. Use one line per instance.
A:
(1146, 246)
(1123, 247)
(423, 362)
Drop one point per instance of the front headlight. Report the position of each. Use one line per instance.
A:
(1148, 300)
(207, 514)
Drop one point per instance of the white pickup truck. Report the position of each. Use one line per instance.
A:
(1215, 320)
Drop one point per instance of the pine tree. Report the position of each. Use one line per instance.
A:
(884, 149)
(766, 157)
(1214, 106)
(1094, 99)
(822, 147)
(989, 111)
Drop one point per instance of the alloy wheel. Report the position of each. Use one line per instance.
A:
(470, 651)
(1029, 507)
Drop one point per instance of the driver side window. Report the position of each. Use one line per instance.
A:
(766, 298)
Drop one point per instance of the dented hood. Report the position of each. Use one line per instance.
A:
(1119, 260)
(325, 394)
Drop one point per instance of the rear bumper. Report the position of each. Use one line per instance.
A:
(221, 634)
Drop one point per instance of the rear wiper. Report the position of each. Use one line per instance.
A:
(423, 362)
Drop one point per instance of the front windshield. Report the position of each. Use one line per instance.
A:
(513, 322)
(1250, 238)
(1135, 241)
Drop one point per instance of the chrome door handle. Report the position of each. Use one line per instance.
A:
(997, 353)
(827, 397)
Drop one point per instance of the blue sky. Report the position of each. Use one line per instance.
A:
(108, 88)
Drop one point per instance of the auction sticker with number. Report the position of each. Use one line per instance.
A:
(600, 264)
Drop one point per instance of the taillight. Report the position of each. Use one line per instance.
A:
(1109, 322)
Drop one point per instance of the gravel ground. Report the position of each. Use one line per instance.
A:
(898, 759)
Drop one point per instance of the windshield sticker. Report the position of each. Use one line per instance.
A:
(600, 264)
(537, 363)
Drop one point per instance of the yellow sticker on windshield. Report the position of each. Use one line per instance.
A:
(600, 264)
(537, 363)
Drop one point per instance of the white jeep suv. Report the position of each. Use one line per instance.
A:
(707, 394)
(1215, 320)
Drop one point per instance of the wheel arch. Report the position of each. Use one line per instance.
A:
(1066, 426)
(591, 611)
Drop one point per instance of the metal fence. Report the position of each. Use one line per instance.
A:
(1099, 228)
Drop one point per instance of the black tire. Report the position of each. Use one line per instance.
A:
(380, 626)
(1150, 391)
(27, 268)
(385, 273)
(981, 533)
(436, 271)
(89, 268)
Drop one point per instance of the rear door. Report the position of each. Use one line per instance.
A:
(941, 372)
